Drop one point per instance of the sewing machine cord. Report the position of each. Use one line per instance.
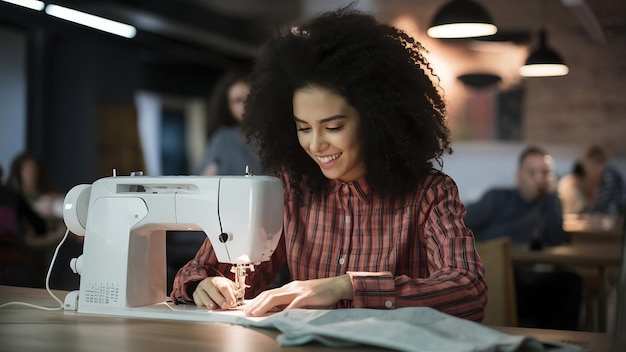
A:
(54, 257)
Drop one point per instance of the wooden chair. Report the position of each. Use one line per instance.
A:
(501, 309)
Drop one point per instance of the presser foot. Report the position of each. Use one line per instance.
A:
(240, 271)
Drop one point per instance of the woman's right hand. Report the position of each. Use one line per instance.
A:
(215, 293)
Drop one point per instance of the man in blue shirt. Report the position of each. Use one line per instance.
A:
(531, 215)
(530, 211)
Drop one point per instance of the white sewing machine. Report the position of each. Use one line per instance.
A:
(124, 219)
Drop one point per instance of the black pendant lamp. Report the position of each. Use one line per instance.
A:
(543, 62)
(461, 19)
(479, 80)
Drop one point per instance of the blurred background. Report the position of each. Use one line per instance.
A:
(88, 102)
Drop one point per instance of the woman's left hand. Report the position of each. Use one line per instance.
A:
(301, 294)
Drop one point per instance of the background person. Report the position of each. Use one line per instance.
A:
(571, 190)
(28, 177)
(227, 152)
(531, 215)
(605, 189)
(344, 112)
(17, 221)
(531, 210)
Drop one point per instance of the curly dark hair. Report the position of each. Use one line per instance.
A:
(380, 71)
(219, 114)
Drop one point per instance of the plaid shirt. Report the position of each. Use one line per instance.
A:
(417, 254)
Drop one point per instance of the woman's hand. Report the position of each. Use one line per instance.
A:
(215, 292)
(301, 294)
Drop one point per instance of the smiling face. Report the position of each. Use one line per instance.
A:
(328, 130)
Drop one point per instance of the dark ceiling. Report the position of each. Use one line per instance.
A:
(213, 32)
(219, 33)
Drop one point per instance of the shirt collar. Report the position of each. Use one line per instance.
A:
(360, 187)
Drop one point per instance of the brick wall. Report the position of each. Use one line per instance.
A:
(587, 106)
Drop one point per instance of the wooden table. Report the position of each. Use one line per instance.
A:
(592, 341)
(29, 329)
(590, 255)
(596, 229)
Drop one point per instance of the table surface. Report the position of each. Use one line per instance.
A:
(30, 329)
(593, 223)
(593, 229)
(583, 254)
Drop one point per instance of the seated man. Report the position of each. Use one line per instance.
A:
(531, 215)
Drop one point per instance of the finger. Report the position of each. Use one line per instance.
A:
(223, 293)
(259, 300)
(253, 303)
(207, 294)
(201, 298)
(298, 302)
(269, 301)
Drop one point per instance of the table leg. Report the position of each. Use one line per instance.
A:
(602, 299)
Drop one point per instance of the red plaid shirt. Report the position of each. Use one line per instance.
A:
(416, 254)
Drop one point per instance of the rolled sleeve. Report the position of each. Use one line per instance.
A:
(373, 290)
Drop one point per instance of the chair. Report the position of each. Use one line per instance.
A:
(501, 309)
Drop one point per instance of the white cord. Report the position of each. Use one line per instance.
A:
(54, 257)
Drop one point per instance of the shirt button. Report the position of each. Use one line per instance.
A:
(341, 261)
(388, 304)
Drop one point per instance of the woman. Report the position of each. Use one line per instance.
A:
(604, 186)
(28, 178)
(227, 152)
(570, 189)
(17, 219)
(344, 112)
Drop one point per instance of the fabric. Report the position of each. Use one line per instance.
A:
(230, 152)
(611, 194)
(504, 212)
(406, 329)
(418, 253)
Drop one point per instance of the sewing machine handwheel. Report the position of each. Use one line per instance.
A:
(75, 209)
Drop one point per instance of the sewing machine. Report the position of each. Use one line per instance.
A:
(124, 220)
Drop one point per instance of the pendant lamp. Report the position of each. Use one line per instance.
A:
(461, 19)
(543, 62)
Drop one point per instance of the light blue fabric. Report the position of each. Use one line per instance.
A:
(417, 329)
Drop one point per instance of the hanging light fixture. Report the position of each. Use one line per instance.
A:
(543, 62)
(461, 19)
